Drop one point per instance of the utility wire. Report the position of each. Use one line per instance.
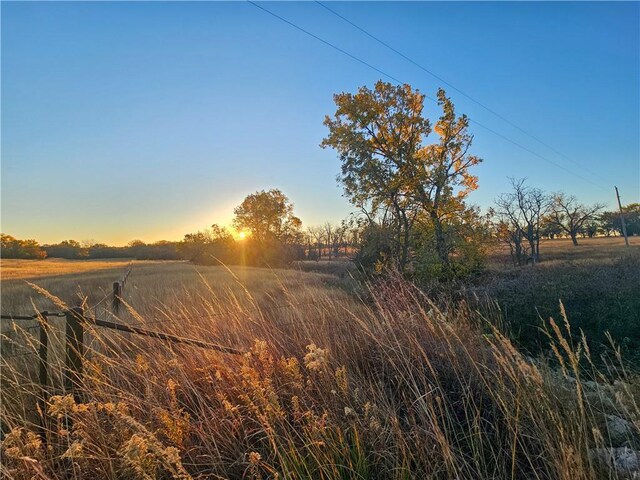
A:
(335, 47)
(439, 78)
(359, 60)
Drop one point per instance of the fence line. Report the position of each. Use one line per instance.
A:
(118, 287)
(32, 317)
(75, 323)
(161, 335)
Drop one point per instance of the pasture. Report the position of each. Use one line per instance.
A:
(54, 267)
(377, 381)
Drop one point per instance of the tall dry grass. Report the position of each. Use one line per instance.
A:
(331, 386)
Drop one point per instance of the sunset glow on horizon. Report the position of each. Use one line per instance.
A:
(110, 143)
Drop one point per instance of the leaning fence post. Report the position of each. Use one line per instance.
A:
(117, 295)
(75, 351)
(43, 376)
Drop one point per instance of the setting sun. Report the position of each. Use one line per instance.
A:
(327, 239)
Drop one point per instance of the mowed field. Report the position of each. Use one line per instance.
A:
(335, 379)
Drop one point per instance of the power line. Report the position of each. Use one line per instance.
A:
(363, 62)
(353, 57)
(477, 102)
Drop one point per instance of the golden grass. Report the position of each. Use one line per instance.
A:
(558, 251)
(388, 387)
(28, 269)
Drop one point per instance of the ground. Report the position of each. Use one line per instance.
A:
(30, 269)
(336, 382)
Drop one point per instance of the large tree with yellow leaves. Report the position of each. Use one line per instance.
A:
(391, 172)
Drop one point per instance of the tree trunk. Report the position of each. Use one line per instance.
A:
(574, 239)
(534, 253)
(441, 243)
(405, 243)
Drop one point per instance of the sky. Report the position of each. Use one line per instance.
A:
(150, 120)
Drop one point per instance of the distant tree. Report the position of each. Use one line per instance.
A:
(70, 249)
(316, 236)
(329, 233)
(275, 232)
(520, 215)
(609, 222)
(341, 237)
(136, 248)
(102, 250)
(570, 215)
(631, 219)
(506, 232)
(163, 250)
(548, 227)
(591, 227)
(209, 246)
(136, 243)
(11, 247)
(267, 215)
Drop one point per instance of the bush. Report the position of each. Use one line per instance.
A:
(599, 297)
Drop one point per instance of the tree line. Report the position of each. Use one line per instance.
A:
(525, 215)
(408, 179)
(269, 235)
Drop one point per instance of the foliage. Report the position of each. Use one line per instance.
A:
(611, 221)
(393, 176)
(267, 215)
(599, 289)
(13, 248)
(376, 250)
(468, 237)
(631, 218)
(570, 216)
(274, 231)
(209, 246)
(548, 228)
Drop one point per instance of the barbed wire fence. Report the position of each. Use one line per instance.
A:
(78, 318)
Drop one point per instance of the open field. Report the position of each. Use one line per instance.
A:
(150, 285)
(379, 384)
(562, 250)
(29, 269)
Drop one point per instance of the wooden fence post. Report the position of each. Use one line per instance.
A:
(43, 376)
(117, 295)
(75, 351)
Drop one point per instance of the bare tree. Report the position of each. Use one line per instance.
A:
(520, 213)
(570, 216)
(342, 231)
(316, 234)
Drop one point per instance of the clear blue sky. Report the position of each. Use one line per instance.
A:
(151, 120)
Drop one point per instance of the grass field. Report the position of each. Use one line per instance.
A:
(338, 381)
(30, 269)
(598, 283)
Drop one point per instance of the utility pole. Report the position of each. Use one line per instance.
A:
(624, 225)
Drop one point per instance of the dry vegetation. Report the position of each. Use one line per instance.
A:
(337, 382)
(598, 282)
(28, 269)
